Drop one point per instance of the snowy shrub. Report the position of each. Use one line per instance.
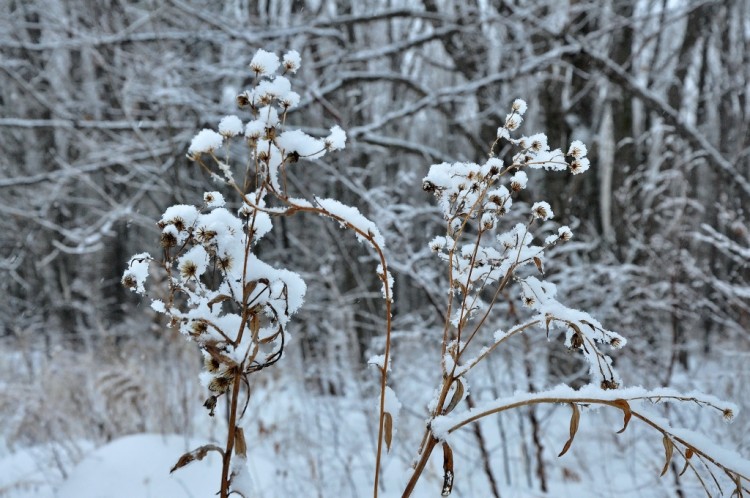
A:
(237, 309)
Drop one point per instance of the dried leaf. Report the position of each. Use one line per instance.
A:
(576, 328)
(240, 446)
(210, 404)
(574, 419)
(218, 299)
(548, 320)
(538, 263)
(388, 429)
(197, 454)
(688, 456)
(668, 451)
(625, 407)
(249, 288)
(458, 395)
(737, 484)
(447, 470)
(589, 324)
(270, 338)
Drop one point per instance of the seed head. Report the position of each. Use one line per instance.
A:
(609, 384)
(129, 281)
(198, 327)
(211, 364)
(564, 233)
(579, 166)
(168, 240)
(220, 384)
(188, 269)
(542, 211)
(576, 341)
(243, 99)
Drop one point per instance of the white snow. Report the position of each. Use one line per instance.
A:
(230, 126)
(542, 211)
(292, 61)
(580, 166)
(336, 140)
(379, 361)
(289, 100)
(242, 483)
(138, 466)
(213, 199)
(301, 143)
(158, 306)
(352, 216)
(255, 129)
(269, 116)
(264, 63)
(268, 90)
(138, 270)
(182, 213)
(577, 149)
(205, 141)
(387, 288)
(442, 425)
(519, 180)
(519, 106)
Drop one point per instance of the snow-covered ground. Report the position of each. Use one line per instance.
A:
(305, 445)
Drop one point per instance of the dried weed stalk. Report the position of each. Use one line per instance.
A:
(234, 306)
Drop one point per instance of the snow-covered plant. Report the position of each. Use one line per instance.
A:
(484, 260)
(235, 307)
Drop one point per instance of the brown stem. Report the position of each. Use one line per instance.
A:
(386, 360)
(429, 441)
(227, 460)
(426, 452)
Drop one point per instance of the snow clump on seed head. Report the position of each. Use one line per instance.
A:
(205, 141)
(264, 63)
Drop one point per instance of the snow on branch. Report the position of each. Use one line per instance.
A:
(690, 445)
(444, 425)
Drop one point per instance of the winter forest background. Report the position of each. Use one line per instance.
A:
(99, 101)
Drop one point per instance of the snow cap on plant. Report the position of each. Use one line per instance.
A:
(230, 126)
(205, 141)
(264, 63)
(292, 61)
(579, 166)
(577, 149)
(336, 140)
(137, 272)
(518, 181)
(513, 121)
(290, 100)
(519, 106)
(542, 211)
(213, 199)
(255, 129)
(580, 162)
(565, 233)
